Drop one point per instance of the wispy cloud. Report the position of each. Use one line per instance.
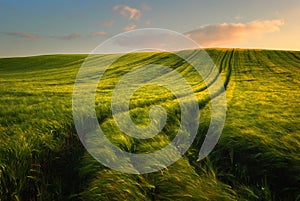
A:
(129, 27)
(233, 33)
(238, 17)
(22, 35)
(109, 23)
(98, 33)
(66, 37)
(128, 12)
(70, 36)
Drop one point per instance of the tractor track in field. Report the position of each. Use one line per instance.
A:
(225, 65)
(292, 59)
(282, 63)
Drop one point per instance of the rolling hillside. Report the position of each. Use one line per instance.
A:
(256, 158)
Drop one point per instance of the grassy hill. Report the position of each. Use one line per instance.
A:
(256, 158)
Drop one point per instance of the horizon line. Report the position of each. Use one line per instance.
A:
(206, 48)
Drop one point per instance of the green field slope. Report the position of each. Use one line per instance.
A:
(257, 157)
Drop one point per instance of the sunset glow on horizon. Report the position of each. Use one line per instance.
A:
(53, 27)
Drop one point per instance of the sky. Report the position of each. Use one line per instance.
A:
(35, 27)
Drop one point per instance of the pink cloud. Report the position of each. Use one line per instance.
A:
(109, 23)
(129, 27)
(98, 33)
(233, 33)
(128, 12)
(22, 35)
(116, 7)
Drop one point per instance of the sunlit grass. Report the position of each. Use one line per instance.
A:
(257, 157)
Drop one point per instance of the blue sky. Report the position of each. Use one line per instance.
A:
(35, 27)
